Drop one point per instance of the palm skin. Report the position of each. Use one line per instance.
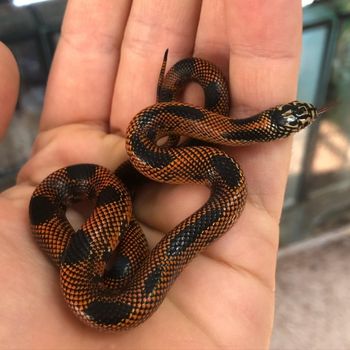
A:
(105, 70)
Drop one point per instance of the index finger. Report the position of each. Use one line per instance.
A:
(80, 85)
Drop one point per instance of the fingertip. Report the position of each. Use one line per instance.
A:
(9, 87)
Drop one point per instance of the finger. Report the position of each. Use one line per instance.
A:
(81, 81)
(211, 40)
(9, 84)
(153, 26)
(264, 63)
(264, 55)
(265, 44)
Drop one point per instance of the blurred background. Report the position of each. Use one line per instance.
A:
(313, 299)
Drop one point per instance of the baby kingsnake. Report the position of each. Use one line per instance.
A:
(136, 281)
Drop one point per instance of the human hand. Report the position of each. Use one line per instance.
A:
(105, 70)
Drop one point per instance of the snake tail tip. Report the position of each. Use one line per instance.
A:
(166, 54)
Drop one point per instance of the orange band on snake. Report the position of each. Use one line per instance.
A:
(136, 281)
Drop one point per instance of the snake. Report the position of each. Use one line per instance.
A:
(108, 275)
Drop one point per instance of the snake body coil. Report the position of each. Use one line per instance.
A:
(136, 280)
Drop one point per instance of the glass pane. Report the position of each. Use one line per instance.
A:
(331, 164)
(314, 44)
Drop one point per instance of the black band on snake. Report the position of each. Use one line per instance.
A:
(137, 280)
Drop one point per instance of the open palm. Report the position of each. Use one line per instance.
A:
(105, 70)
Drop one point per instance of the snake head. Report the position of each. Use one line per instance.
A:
(294, 116)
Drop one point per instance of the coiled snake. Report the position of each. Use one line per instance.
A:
(136, 281)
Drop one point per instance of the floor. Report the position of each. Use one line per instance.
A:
(313, 299)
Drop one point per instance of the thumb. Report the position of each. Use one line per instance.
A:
(9, 84)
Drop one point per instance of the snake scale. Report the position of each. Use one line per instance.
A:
(108, 276)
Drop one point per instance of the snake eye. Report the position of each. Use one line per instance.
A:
(291, 120)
